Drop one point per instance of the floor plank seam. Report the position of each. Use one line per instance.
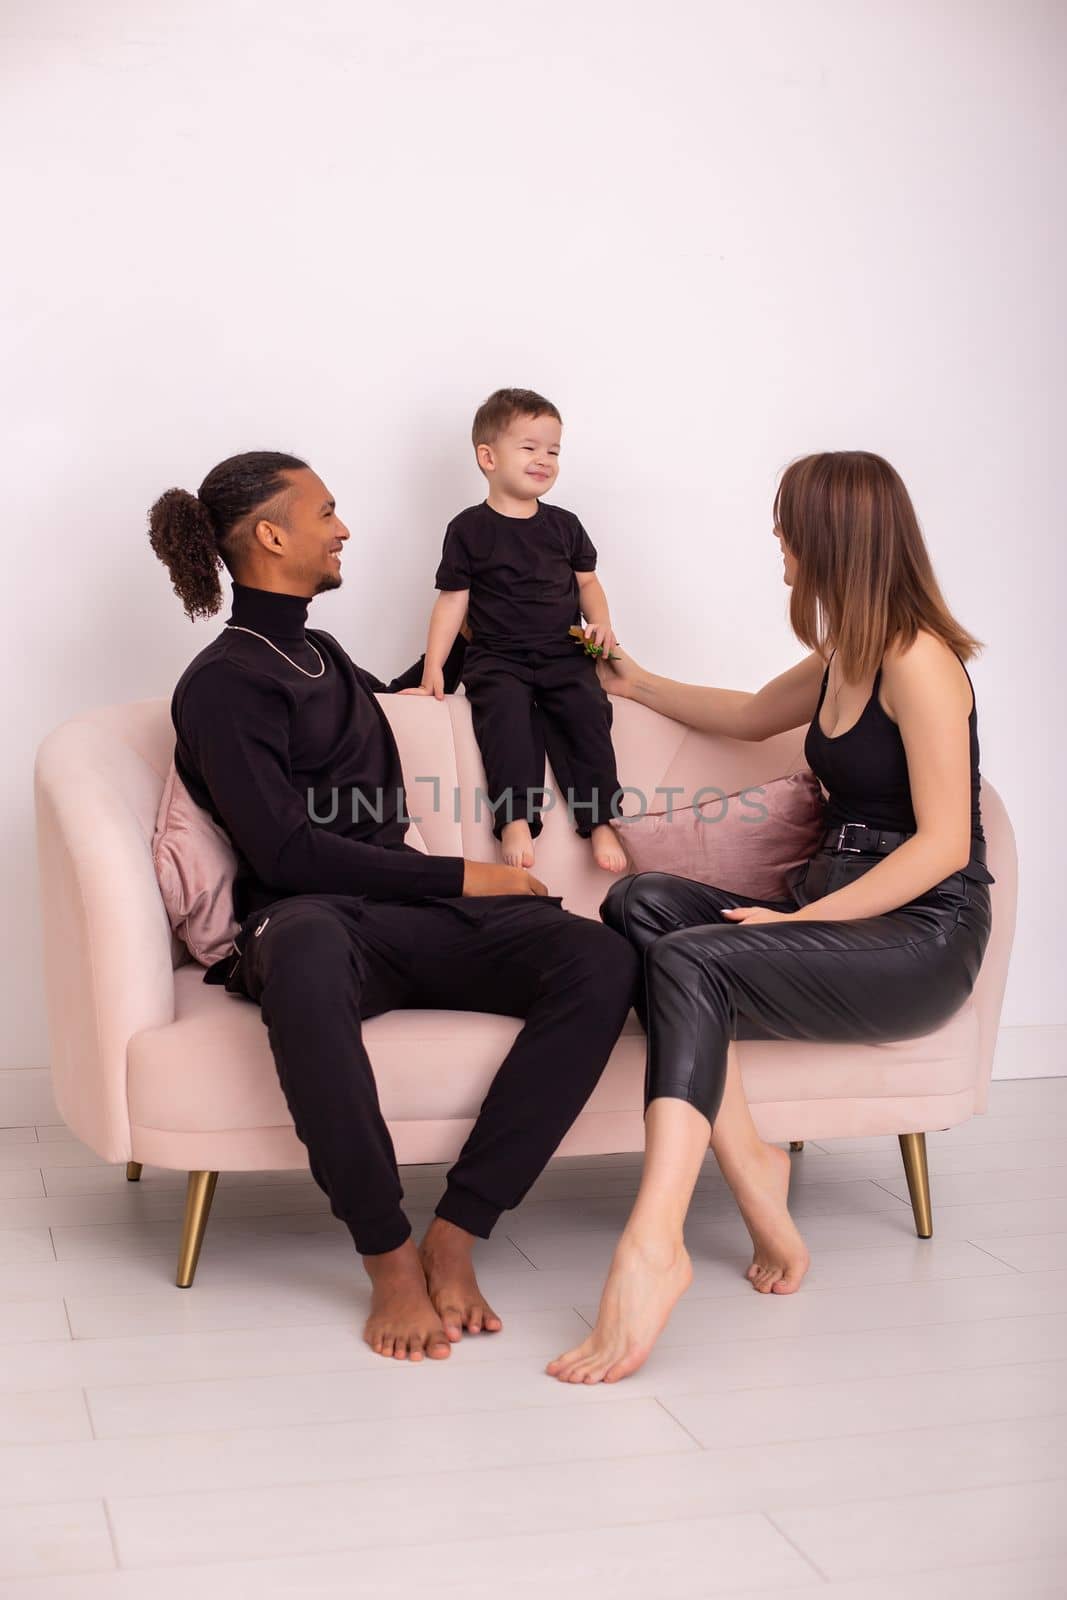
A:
(371, 1477)
(940, 1492)
(879, 1184)
(874, 1377)
(994, 1257)
(665, 1407)
(521, 1252)
(474, 1540)
(112, 1535)
(89, 1413)
(809, 1561)
(495, 1409)
(917, 1430)
(694, 1345)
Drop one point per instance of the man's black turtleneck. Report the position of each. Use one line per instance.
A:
(256, 737)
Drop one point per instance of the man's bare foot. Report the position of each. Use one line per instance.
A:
(516, 842)
(402, 1322)
(645, 1283)
(760, 1183)
(445, 1254)
(607, 851)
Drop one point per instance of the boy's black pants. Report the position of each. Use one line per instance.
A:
(318, 964)
(527, 702)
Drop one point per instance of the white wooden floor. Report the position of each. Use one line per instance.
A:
(896, 1429)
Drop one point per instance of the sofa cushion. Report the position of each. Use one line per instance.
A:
(211, 1069)
(748, 842)
(196, 865)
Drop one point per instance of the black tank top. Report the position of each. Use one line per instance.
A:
(865, 770)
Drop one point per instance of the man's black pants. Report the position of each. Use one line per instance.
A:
(527, 701)
(318, 964)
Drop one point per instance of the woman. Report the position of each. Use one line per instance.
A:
(887, 925)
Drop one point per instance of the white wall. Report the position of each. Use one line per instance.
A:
(718, 235)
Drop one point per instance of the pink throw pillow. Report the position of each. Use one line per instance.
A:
(196, 864)
(746, 842)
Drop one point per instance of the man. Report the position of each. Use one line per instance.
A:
(341, 919)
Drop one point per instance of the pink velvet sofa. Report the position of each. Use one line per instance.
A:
(150, 1065)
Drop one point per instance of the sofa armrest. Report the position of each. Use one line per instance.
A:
(1003, 861)
(107, 949)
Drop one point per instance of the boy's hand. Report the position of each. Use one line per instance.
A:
(602, 634)
(590, 634)
(433, 682)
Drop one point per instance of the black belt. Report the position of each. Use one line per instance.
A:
(856, 838)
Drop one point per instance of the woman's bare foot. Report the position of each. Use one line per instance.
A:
(607, 851)
(645, 1283)
(402, 1322)
(516, 842)
(760, 1183)
(445, 1254)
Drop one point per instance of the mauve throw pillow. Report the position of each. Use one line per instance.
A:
(747, 842)
(196, 864)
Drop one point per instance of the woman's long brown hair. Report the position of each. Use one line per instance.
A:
(864, 578)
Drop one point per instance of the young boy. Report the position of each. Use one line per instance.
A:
(523, 573)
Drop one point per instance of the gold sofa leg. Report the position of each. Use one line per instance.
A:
(913, 1149)
(198, 1198)
(133, 1171)
(796, 1144)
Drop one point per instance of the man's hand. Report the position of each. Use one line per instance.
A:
(487, 878)
(433, 682)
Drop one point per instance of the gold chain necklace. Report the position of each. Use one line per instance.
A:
(274, 647)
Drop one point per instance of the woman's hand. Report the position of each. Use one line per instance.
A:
(618, 675)
(746, 914)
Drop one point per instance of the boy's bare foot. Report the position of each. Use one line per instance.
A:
(402, 1322)
(607, 851)
(516, 842)
(760, 1183)
(645, 1283)
(445, 1254)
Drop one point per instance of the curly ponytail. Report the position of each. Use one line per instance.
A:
(193, 535)
(182, 535)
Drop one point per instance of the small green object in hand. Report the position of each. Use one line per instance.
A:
(590, 648)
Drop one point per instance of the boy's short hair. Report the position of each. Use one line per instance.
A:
(502, 406)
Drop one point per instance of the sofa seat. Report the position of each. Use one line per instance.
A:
(210, 1073)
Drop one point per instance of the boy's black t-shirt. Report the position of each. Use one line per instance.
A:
(520, 573)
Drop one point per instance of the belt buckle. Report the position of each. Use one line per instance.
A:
(840, 845)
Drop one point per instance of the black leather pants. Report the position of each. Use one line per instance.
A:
(706, 981)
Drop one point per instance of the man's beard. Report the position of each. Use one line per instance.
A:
(329, 580)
